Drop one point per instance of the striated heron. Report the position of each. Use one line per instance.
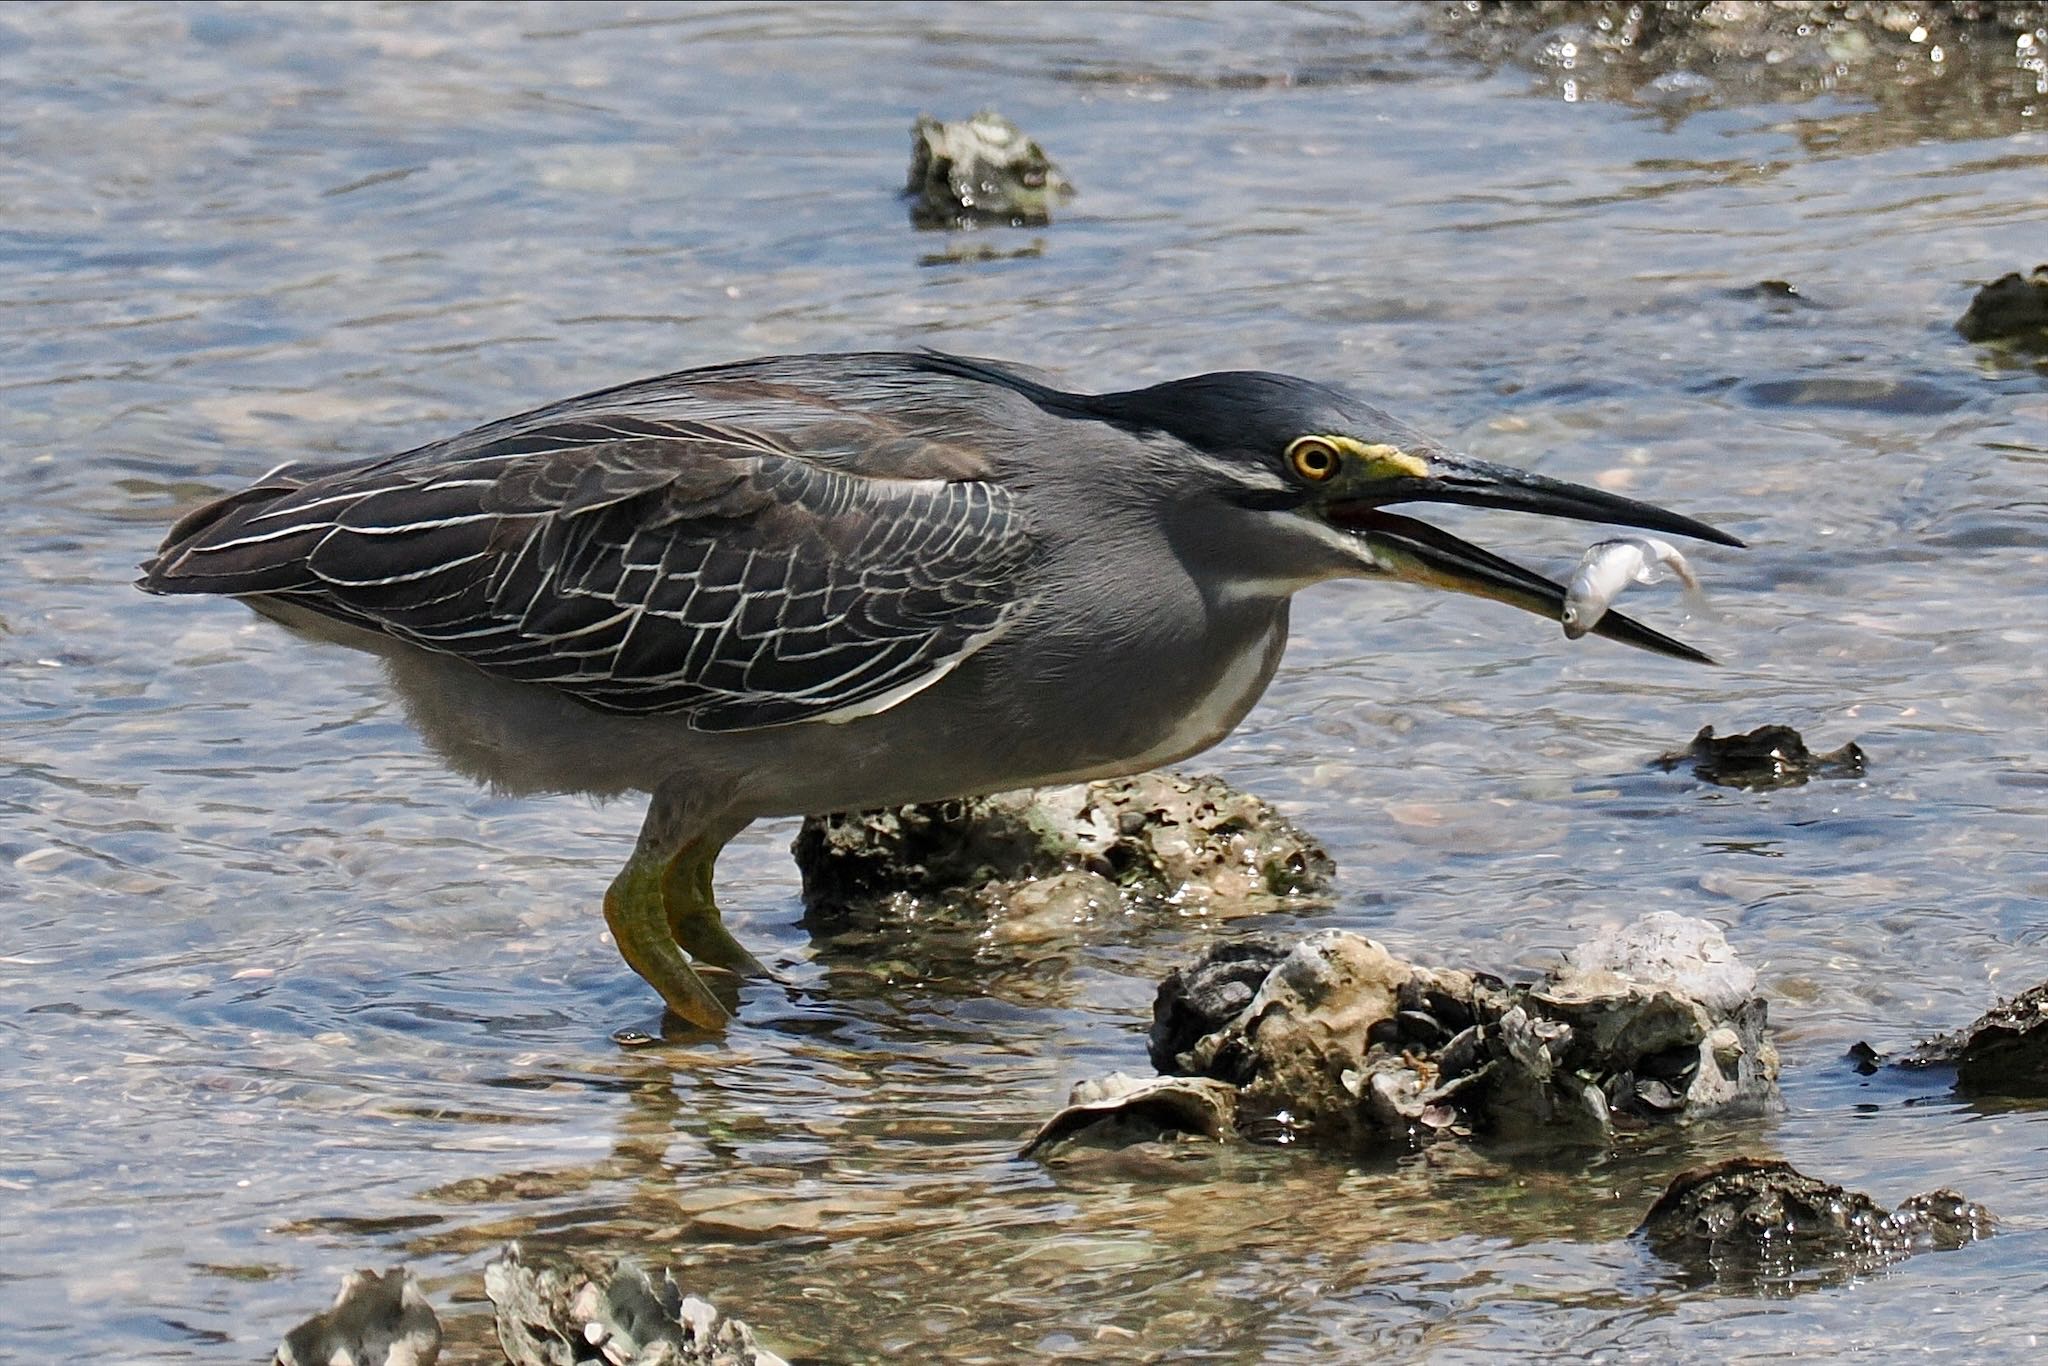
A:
(805, 584)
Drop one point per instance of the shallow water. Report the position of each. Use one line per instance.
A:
(279, 997)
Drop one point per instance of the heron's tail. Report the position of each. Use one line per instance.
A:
(213, 549)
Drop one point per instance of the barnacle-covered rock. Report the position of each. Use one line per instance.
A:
(1197, 1000)
(1342, 1043)
(1158, 837)
(1958, 69)
(2011, 311)
(980, 171)
(1664, 1018)
(2003, 1053)
(1767, 757)
(378, 1319)
(1749, 1219)
(623, 1316)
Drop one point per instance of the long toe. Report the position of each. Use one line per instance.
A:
(694, 923)
(633, 909)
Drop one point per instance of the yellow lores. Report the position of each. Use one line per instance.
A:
(1318, 457)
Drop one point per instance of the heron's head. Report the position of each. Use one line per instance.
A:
(1293, 481)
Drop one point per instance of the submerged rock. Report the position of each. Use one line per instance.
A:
(1764, 758)
(2013, 310)
(1747, 1219)
(1341, 1043)
(1059, 851)
(1120, 1110)
(2004, 1053)
(551, 1316)
(979, 172)
(377, 1320)
(1778, 296)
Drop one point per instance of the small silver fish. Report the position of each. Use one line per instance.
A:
(1610, 566)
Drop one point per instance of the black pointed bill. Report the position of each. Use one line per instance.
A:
(1421, 553)
(1457, 479)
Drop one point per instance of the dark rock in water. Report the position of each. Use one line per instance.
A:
(1767, 757)
(555, 1316)
(980, 172)
(1750, 1219)
(1120, 1110)
(2005, 1053)
(1778, 295)
(1899, 396)
(1046, 852)
(377, 1320)
(2013, 309)
(1340, 1043)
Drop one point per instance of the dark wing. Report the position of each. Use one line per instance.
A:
(640, 566)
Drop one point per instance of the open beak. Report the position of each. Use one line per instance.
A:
(1421, 553)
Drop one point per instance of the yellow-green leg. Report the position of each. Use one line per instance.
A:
(635, 908)
(693, 921)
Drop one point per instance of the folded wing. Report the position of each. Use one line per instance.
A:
(640, 565)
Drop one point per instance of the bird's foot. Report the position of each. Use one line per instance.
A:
(701, 934)
(633, 907)
(693, 919)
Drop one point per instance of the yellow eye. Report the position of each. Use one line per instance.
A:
(1313, 458)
